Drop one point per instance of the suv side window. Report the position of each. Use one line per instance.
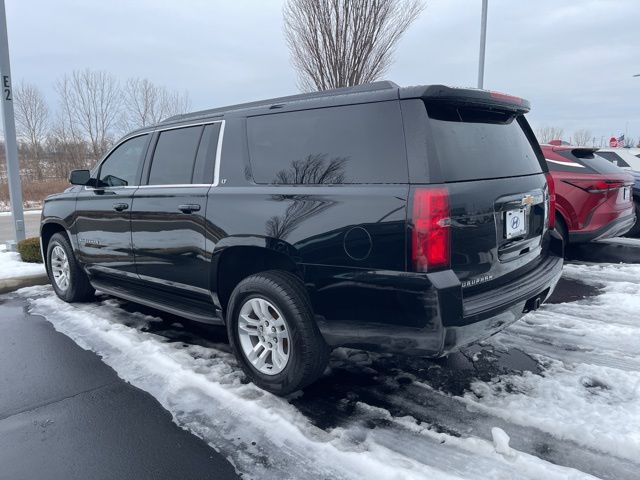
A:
(203, 171)
(174, 156)
(122, 166)
(347, 144)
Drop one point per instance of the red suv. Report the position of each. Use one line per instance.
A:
(593, 197)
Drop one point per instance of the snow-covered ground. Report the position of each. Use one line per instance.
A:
(12, 266)
(557, 395)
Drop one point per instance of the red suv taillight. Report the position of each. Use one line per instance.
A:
(596, 186)
(552, 200)
(431, 234)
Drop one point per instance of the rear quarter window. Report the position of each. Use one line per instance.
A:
(476, 143)
(335, 145)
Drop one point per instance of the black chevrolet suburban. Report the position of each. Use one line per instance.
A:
(411, 220)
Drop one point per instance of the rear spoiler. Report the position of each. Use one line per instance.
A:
(467, 96)
(580, 152)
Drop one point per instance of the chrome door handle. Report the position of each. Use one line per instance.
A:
(188, 208)
(118, 207)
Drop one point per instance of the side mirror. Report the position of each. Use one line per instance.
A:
(79, 177)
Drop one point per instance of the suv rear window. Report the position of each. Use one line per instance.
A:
(476, 143)
(347, 144)
(614, 158)
(595, 162)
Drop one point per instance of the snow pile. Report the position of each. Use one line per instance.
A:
(589, 390)
(265, 436)
(12, 266)
(501, 442)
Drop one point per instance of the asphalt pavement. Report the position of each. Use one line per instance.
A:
(31, 224)
(66, 415)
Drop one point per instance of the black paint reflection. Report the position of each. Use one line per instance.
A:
(302, 208)
(315, 169)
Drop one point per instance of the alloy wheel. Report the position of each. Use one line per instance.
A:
(60, 267)
(264, 336)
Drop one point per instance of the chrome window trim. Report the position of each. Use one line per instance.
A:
(217, 161)
(196, 124)
(216, 168)
(176, 185)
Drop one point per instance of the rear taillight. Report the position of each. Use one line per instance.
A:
(552, 201)
(431, 235)
(596, 186)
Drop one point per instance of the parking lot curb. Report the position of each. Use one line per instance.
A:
(10, 284)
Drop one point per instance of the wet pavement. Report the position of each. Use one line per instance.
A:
(622, 250)
(66, 415)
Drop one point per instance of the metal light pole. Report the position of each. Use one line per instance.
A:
(483, 41)
(8, 120)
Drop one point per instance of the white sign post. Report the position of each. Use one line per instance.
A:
(8, 121)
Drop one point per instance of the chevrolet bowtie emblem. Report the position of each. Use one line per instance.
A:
(528, 200)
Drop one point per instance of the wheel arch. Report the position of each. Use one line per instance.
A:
(565, 210)
(47, 230)
(234, 263)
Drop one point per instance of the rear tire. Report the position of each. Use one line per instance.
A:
(68, 279)
(271, 307)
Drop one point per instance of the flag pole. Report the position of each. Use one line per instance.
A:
(483, 42)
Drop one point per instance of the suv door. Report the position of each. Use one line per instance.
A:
(168, 213)
(102, 223)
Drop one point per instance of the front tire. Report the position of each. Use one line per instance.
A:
(68, 279)
(273, 333)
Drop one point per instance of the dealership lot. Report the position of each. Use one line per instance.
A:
(562, 383)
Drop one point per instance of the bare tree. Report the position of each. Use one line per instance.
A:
(32, 113)
(32, 122)
(89, 107)
(67, 149)
(546, 134)
(340, 43)
(582, 137)
(145, 104)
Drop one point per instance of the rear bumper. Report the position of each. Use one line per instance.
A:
(616, 228)
(488, 313)
(427, 315)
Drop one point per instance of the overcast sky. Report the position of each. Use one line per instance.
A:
(574, 60)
